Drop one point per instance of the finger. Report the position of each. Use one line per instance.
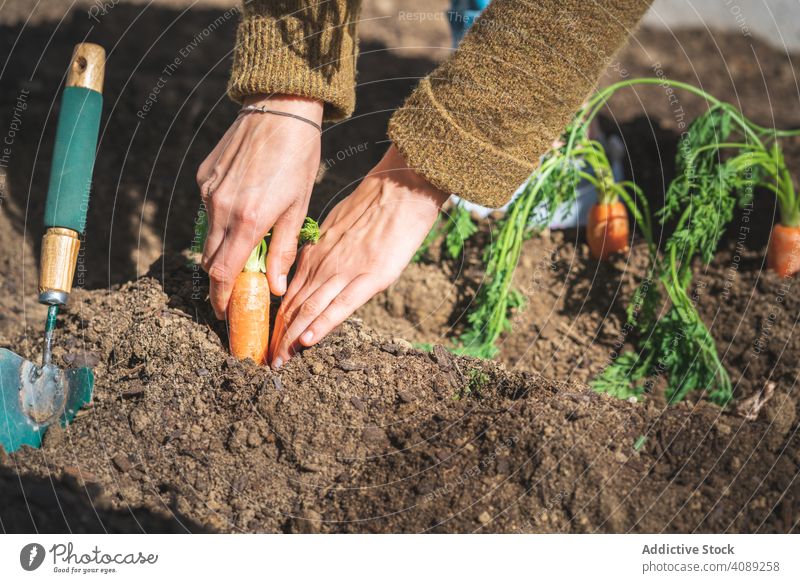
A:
(214, 238)
(352, 297)
(298, 318)
(283, 250)
(296, 293)
(277, 333)
(226, 264)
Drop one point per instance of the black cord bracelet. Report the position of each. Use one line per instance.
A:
(262, 109)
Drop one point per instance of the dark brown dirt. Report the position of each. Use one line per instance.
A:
(364, 433)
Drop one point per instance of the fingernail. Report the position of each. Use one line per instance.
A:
(277, 363)
(306, 337)
(282, 284)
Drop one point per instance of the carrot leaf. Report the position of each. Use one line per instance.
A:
(258, 259)
(309, 232)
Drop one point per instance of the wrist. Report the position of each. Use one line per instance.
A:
(395, 163)
(307, 107)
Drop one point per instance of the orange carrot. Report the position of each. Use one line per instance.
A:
(607, 231)
(248, 310)
(783, 253)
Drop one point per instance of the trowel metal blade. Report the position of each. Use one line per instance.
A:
(33, 397)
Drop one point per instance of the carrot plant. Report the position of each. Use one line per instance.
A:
(723, 158)
(453, 230)
(551, 186)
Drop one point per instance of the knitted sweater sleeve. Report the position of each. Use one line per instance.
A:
(478, 124)
(298, 47)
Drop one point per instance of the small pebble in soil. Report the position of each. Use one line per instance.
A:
(442, 454)
(254, 439)
(442, 357)
(391, 348)
(405, 396)
(122, 462)
(137, 475)
(357, 403)
(404, 344)
(311, 467)
(135, 389)
(350, 366)
(139, 420)
(277, 383)
(203, 372)
(81, 358)
(201, 483)
(373, 434)
(485, 517)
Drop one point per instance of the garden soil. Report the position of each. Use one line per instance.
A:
(365, 432)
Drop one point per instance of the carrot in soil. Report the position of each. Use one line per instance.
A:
(248, 309)
(783, 253)
(607, 230)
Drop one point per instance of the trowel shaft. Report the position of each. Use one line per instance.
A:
(49, 327)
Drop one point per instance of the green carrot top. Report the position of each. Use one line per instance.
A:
(258, 259)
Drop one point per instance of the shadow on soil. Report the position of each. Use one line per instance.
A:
(32, 504)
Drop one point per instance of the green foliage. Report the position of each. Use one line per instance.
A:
(554, 184)
(258, 258)
(309, 232)
(432, 236)
(454, 230)
(550, 186)
(476, 381)
(714, 175)
(460, 227)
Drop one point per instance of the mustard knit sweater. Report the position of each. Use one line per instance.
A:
(477, 125)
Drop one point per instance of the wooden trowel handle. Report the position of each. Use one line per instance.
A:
(71, 172)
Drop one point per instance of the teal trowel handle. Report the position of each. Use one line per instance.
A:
(71, 172)
(73, 159)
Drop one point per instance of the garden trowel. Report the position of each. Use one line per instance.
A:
(32, 396)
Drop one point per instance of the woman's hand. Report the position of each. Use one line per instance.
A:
(259, 177)
(367, 240)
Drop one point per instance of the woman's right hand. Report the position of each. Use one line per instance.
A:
(259, 177)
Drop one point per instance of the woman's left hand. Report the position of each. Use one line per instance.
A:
(366, 242)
